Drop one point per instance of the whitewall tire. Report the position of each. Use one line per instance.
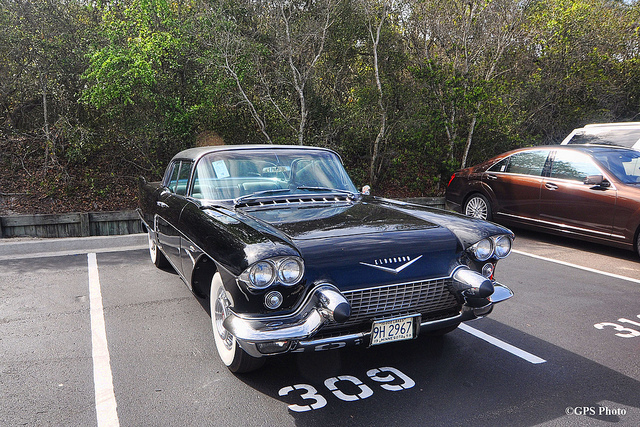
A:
(157, 257)
(234, 358)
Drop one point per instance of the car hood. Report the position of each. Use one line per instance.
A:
(364, 243)
(322, 222)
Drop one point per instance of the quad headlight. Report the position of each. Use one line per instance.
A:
(287, 271)
(262, 274)
(495, 246)
(290, 271)
(483, 250)
(502, 246)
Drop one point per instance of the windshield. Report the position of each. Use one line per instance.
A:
(625, 165)
(235, 174)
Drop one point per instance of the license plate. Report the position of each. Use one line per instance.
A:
(398, 329)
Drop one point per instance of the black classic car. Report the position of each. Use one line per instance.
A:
(293, 258)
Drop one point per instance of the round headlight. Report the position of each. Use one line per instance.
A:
(290, 271)
(483, 250)
(262, 274)
(503, 246)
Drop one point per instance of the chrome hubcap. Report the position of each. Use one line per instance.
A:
(152, 248)
(220, 313)
(476, 208)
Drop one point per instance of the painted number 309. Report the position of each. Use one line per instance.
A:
(622, 331)
(340, 384)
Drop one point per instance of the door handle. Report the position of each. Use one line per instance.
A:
(551, 186)
(162, 204)
(492, 177)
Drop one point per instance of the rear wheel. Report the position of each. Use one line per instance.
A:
(234, 358)
(478, 206)
(638, 242)
(157, 257)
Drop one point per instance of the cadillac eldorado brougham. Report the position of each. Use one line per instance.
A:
(292, 257)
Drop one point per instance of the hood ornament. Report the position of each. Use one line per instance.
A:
(379, 263)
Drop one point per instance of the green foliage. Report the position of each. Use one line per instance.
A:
(460, 80)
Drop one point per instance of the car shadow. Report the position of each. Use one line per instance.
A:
(459, 380)
(575, 244)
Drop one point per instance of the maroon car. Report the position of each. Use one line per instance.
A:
(589, 192)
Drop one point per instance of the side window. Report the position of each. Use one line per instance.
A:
(196, 191)
(501, 166)
(526, 163)
(179, 177)
(573, 166)
(183, 178)
(173, 177)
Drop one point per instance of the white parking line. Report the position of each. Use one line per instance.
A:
(568, 264)
(102, 377)
(503, 345)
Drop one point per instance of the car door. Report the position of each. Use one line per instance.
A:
(170, 204)
(568, 204)
(515, 182)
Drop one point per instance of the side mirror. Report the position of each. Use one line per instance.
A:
(366, 190)
(596, 180)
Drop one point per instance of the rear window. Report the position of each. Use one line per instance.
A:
(524, 163)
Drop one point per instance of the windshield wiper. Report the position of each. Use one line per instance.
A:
(333, 190)
(258, 194)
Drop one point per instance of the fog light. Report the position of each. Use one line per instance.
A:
(487, 270)
(273, 300)
(273, 347)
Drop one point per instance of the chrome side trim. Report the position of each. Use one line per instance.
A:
(563, 227)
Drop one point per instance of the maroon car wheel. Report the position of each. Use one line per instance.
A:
(477, 206)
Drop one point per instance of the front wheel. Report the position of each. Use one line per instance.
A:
(234, 358)
(478, 206)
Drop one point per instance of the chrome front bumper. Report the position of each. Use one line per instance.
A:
(326, 304)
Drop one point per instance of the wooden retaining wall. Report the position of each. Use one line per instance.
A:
(71, 224)
(102, 223)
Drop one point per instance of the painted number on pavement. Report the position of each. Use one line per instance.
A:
(347, 388)
(622, 331)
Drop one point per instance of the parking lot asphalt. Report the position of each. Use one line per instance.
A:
(563, 351)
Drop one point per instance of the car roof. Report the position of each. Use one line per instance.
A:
(198, 152)
(592, 148)
(589, 149)
(625, 134)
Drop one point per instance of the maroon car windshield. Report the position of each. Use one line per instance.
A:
(624, 164)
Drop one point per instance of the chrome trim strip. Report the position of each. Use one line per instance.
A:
(564, 227)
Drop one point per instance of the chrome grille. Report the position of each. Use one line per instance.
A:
(430, 298)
